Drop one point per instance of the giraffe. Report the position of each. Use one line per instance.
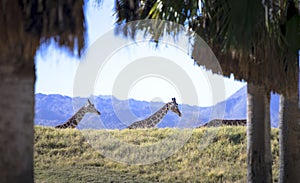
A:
(154, 119)
(227, 122)
(77, 117)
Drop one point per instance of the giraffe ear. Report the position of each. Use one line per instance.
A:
(89, 102)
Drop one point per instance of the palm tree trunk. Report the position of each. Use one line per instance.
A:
(259, 157)
(16, 121)
(289, 140)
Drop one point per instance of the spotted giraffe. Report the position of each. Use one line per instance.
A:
(220, 122)
(77, 117)
(154, 119)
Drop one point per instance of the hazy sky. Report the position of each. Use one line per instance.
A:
(57, 71)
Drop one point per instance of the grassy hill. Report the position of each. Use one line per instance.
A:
(66, 156)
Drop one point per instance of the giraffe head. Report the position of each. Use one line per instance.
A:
(89, 107)
(174, 107)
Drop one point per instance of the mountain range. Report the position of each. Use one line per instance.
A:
(54, 109)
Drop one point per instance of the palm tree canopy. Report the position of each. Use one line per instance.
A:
(27, 24)
(256, 41)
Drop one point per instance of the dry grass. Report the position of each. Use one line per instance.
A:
(210, 155)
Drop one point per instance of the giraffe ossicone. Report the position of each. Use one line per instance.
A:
(77, 117)
(155, 118)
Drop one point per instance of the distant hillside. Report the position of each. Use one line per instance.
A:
(67, 156)
(52, 110)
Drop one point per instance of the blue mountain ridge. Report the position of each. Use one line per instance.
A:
(54, 109)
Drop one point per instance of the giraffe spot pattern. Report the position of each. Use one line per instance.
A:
(221, 122)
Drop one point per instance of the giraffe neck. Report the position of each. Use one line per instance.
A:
(74, 120)
(152, 120)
